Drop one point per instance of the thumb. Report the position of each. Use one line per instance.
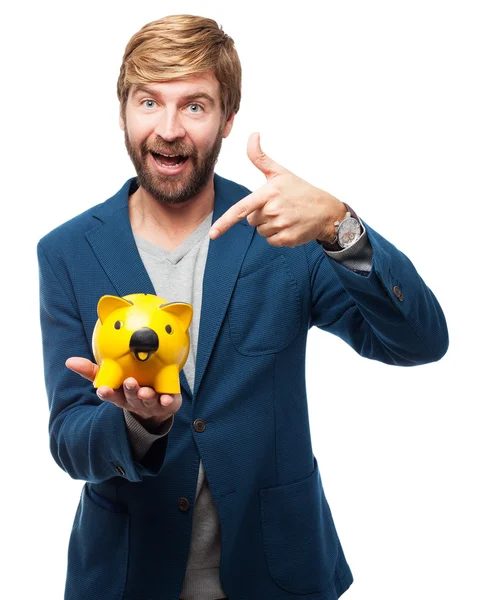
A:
(82, 366)
(261, 160)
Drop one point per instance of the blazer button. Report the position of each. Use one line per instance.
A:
(199, 425)
(398, 293)
(183, 504)
(119, 469)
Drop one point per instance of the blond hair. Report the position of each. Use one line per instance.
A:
(177, 46)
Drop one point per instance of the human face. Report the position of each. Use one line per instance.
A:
(174, 118)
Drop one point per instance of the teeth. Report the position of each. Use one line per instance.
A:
(157, 157)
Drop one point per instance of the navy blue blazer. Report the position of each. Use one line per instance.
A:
(131, 532)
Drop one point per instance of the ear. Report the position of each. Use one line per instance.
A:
(122, 116)
(228, 125)
(107, 304)
(182, 310)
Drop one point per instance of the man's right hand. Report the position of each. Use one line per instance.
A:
(146, 405)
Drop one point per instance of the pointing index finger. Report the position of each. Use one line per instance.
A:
(237, 212)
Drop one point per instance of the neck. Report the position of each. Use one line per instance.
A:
(148, 215)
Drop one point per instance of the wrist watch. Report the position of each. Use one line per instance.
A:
(348, 231)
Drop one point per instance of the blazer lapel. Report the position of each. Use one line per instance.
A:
(114, 245)
(223, 262)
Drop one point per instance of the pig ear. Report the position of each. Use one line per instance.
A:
(107, 304)
(182, 310)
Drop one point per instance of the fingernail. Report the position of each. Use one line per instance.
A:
(129, 386)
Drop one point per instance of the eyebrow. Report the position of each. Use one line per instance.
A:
(188, 97)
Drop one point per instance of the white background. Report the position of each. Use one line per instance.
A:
(375, 102)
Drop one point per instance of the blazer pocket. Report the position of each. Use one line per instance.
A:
(97, 551)
(264, 311)
(300, 540)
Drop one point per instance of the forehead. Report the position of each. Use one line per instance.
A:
(190, 84)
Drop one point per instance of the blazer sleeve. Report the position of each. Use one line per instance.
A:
(88, 437)
(389, 314)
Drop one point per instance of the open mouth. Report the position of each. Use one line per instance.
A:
(169, 161)
(141, 355)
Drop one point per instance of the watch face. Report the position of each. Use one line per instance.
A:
(349, 232)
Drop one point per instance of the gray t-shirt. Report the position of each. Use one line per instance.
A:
(177, 276)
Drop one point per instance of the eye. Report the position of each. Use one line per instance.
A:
(148, 101)
(118, 324)
(168, 329)
(199, 106)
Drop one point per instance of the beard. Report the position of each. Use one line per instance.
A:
(165, 189)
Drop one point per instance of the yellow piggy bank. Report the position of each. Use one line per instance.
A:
(141, 336)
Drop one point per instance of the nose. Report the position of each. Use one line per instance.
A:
(144, 340)
(169, 125)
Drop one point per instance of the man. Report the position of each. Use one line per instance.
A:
(214, 492)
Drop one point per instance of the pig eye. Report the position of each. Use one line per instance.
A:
(168, 329)
(118, 324)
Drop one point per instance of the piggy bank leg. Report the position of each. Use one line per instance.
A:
(167, 381)
(110, 374)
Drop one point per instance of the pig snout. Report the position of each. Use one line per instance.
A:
(143, 343)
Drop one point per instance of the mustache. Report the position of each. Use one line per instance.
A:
(166, 150)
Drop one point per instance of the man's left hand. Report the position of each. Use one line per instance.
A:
(287, 210)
